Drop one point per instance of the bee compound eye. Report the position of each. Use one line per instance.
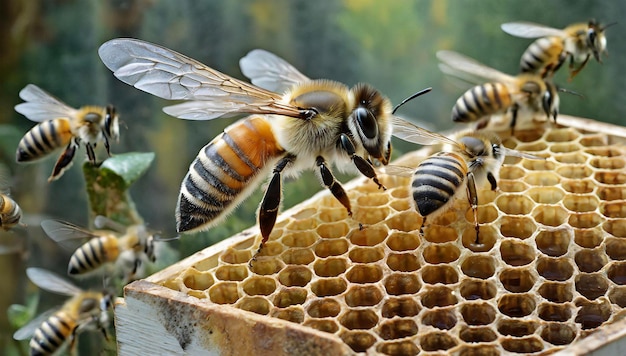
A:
(367, 122)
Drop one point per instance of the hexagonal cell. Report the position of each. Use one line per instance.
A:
(257, 285)
(616, 249)
(611, 178)
(615, 227)
(478, 313)
(565, 135)
(435, 341)
(302, 224)
(517, 280)
(555, 269)
(512, 186)
(295, 314)
(173, 284)
(555, 242)
(446, 218)
(441, 253)
(590, 260)
(485, 214)
(196, 280)
(443, 319)
(521, 227)
(363, 296)
(610, 193)
(403, 241)
(488, 235)
(550, 215)
(330, 267)
(538, 165)
(400, 205)
(511, 172)
(333, 230)
(400, 306)
(546, 195)
(369, 215)
(368, 236)
(516, 253)
(397, 329)
(439, 274)
(234, 256)
(439, 233)
(364, 273)
(514, 204)
(525, 345)
(591, 285)
(375, 199)
(398, 348)
(266, 266)
(323, 308)
(556, 292)
(366, 254)
(617, 273)
(571, 158)
(290, 296)
(257, 305)
(528, 135)
(329, 326)
(334, 247)
(361, 319)
(328, 287)
(329, 214)
(439, 296)
(295, 276)
(592, 314)
(580, 203)
(479, 350)
(299, 239)
(298, 256)
(406, 221)
(402, 283)
(617, 295)
(554, 312)
(474, 289)
(578, 186)
(516, 305)
(403, 262)
(608, 162)
(479, 266)
(558, 334)
(542, 179)
(584, 220)
(564, 147)
(614, 209)
(594, 140)
(478, 334)
(532, 147)
(224, 293)
(270, 248)
(589, 238)
(516, 327)
(604, 151)
(358, 341)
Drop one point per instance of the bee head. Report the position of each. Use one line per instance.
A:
(111, 123)
(596, 40)
(370, 122)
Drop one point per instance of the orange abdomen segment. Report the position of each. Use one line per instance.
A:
(480, 101)
(44, 138)
(222, 173)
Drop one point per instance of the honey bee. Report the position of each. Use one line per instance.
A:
(62, 126)
(523, 95)
(125, 251)
(544, 56)
(85, 310)
(10, 212)
(314, 123)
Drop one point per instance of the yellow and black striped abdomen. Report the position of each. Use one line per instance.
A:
(44, 138)
(93, 254)
(222, 173)
(52, 333)
(481, 100)
(436, 180)
(544, 54)
(10, 212)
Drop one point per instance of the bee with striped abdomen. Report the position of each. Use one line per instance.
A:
(544, 56)
(62, 126)
(85, 310)
(314, 123)
(524, 95)
(10, 212)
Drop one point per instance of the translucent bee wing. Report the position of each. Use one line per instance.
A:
(467, 67)
(395, 170)
(530, 30)
(407, 131)
(269, 71)
(52, 282)
(26, 331)
(41, 106)
(515, 153)
(170, 75)
(102, 222)
(62, 231)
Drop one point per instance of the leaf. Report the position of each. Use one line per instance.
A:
(19, 314)
(129, 166)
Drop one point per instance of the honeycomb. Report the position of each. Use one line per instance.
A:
(549, 270)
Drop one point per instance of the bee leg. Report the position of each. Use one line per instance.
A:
(472, 197)
(364, 166)
(106, 145)
(492, 180)
(422, 226)
(514, 110)
(91, 155)
(64, 162)
(331, 183)
(573, 72)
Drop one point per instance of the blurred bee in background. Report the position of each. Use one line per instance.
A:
(10, 212)
(85, 310)
(62, 126)
(314, 123)
(524, 95)
(123, 248)
(544, 56)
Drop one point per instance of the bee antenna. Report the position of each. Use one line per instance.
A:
(607, 26)
(423, 91)
(563, 90)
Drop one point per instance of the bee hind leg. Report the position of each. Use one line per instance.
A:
(363, 165)
(64, 162)
(332, 184)
(472, 197)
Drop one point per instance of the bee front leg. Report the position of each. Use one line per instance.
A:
(472, 197)
(364, 166)
(91, 155)
(574, 71)
(64, 162)
(333, 185)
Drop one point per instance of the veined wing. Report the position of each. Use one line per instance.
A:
(407, 131)
(26, 331)
(170, 75)
(464, 67)
(61, 231)
(530, 30)
(51, 282)
(41, 106)
(269, 71)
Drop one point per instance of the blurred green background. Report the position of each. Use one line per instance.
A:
(391, 45)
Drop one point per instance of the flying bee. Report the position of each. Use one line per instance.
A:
(85, 310)
(314, 123)
(524, 95)
(544, 56)
(10, 212)
(124, 248)
(62, 126)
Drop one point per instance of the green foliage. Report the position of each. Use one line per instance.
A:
(19, 315)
